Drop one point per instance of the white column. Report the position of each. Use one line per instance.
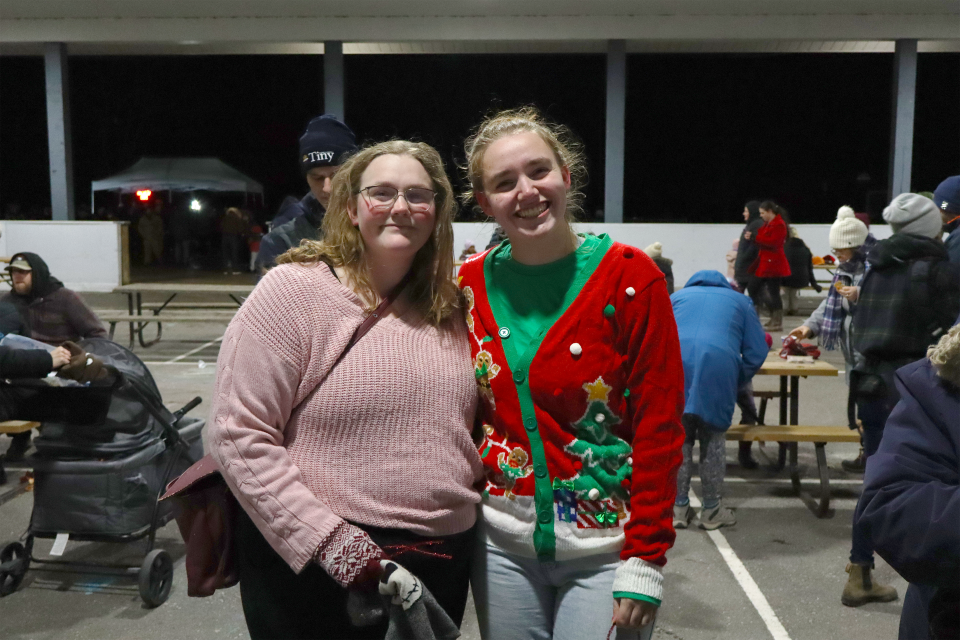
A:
(58, 131)
(333, 79)
(904, 99)
(616, 116)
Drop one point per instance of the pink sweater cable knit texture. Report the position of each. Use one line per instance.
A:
(384, 441)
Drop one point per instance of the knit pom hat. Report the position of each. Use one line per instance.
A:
(912, 213)
(847, 232)
(327, 142)
(655, 250)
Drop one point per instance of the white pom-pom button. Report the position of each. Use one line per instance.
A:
(630, 461)
(599, 417)
(576, 349)
(631, 291)
(594, 493)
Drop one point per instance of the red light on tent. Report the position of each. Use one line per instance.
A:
(144, 194)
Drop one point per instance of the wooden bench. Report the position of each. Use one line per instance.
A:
(13, 427)
(791, 434)
(142, 321)
(191, 305)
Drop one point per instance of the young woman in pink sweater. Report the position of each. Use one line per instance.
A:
(338, 465)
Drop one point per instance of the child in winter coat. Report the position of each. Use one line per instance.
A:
(723, 346)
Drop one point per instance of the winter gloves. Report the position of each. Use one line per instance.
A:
(402, 586)
(83, 367)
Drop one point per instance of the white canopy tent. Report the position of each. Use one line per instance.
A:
(177, 174)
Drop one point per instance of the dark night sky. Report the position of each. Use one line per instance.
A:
(704, 132)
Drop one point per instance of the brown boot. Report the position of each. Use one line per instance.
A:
(861, 589)
(776, 321)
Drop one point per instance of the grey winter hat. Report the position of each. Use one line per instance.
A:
(913, 213)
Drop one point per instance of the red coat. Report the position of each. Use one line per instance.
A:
(772, 261)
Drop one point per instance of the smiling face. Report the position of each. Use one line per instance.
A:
(319, 179)
(399, 231)
(746, 214)
(525, 190)
(767, 215)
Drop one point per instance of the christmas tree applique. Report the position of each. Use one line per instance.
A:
(599, 486)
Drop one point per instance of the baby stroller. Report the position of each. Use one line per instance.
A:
(97, 478)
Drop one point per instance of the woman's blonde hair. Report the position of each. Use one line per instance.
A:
(567, 150)
(945, 356)
(431, 288)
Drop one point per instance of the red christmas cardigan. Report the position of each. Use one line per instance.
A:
(557, 419)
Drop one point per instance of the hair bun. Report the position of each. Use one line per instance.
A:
(845, 212)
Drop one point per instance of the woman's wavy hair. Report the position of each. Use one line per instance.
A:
(431, 288)
(567, 149)
(945, 356)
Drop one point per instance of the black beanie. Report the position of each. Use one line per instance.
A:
(327, 142)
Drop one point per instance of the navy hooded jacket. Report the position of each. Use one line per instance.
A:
(911, 492)
(722, 344)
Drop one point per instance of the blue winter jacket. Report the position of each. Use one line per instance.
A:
(952, 243)
(911, 492)
(722, 344)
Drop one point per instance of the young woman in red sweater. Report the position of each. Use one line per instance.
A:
(577, 360)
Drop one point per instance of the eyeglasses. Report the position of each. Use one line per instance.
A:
(381, 198)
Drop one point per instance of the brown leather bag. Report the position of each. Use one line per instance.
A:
(206, 516)
(206, 510)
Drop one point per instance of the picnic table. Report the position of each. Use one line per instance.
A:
(791, 372)
(138, 319)
(789, 432)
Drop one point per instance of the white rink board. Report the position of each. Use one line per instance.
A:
(84, 255)
(692, 247)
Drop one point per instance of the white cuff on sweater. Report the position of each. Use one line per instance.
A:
(639, 578)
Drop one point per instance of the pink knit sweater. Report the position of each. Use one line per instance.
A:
(384, 441)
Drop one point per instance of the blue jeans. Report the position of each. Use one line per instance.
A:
(525, 599)
(873, 415)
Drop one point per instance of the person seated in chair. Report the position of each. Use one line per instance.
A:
(23, 363)
(53, 313)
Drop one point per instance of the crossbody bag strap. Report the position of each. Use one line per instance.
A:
(372, 319)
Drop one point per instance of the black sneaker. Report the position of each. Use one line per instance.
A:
(857, 465)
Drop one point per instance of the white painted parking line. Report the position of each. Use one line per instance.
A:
(784, 480)
(757, 599)
(193, 351)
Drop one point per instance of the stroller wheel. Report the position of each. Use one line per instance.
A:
(13, 566)
(156, 576)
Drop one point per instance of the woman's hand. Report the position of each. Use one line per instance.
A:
(746, 235)
(60, 357)
(850, 293)
(801, 333)
(633, 614)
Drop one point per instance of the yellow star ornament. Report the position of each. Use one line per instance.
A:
(597, 390)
